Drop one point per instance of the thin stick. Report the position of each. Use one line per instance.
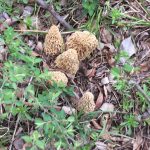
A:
(17, 122)
(54, 13)
(40, 31)
(137, 86)
(13, 137)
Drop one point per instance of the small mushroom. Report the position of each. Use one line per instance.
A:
(58, 78)
(86, 103)
(83, 42)
(53, 41)
(68, 61)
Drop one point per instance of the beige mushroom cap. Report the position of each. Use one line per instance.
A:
(53, 43)
(86, 103)
(58, 77)
(83, 42)
(68, 61)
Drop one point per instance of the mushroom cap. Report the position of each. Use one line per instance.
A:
(86, 103)
(83, 42)
(68, 61)
(53, 43)
(58, 77)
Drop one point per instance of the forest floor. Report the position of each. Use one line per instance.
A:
(35, 115)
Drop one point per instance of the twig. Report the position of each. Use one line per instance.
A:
(12, 140)
(43, 32)
(137, 86)
(54, 13)
(5, 132)
(17, 122)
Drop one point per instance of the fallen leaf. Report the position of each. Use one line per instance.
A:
(39, 46)
(63, 3)
(105, 135)
(28, 10)
(137, 143)
(128, 47)
(35, 54)
(91, 72)
(106, 36)
(96, 125)
(100, 146)
(108, 107)
(18, 144)
(144, 67)
(68, 110)
(99, 100)
(105, 92)
(105, 81)
(22, 26)
(111, 61)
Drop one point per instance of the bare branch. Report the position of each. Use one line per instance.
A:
(54, 13)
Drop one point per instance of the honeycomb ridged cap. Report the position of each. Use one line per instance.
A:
(53, 43)
(83, 42)
(86, 103)
(58, 77)
(68, 61)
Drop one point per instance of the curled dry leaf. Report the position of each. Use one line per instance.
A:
(96, 125)
(107, 107)
(105, 92)
(68, 110)
(99, 100)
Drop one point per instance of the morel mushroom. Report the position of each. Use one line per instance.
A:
(68, 61)
(53, 41)
(58, 78)
(83, 42)
(86, 103)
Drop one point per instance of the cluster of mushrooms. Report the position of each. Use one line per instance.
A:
(78, 46)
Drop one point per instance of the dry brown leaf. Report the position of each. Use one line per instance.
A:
(18, 144)
(137, 143)
(105, 92)
(100, 146)
(105, 135)
(111, 61)
(106, 36)
(45, 65)
(99, 100)
(39, 46)
(22, 26)
(96, 125)
(91, 72)
(144, 67)
(35, 54)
